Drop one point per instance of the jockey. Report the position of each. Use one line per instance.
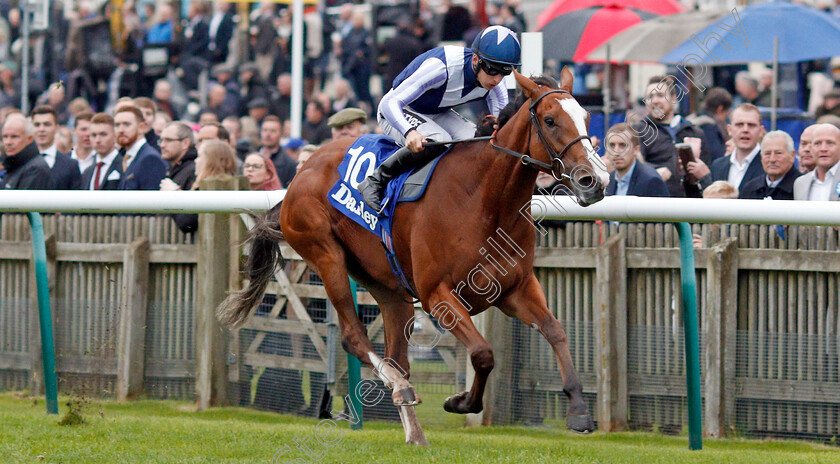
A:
(419, 106)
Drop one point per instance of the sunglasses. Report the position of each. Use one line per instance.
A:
(493, 69)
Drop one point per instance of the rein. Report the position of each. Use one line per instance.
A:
(556, 168)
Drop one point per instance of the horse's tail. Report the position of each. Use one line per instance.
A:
(264, 260)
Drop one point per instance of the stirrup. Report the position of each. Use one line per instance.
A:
(384, 205)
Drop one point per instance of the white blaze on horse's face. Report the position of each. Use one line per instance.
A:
(578, 115)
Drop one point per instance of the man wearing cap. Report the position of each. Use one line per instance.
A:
(223, 75)
(349, 122)
(253, 86)
(258, 109)
(831, 104)
(419, 107)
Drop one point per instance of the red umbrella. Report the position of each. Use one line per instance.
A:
(573, 35)
(658, 7)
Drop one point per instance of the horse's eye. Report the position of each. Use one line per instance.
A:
(549, 121)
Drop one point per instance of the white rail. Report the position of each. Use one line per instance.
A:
(124, 201)
(625, 209)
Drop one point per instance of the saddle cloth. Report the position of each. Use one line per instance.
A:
(366, 153)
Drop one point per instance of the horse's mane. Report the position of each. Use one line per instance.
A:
(519, 99)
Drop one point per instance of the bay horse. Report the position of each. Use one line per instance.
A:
(477, 190)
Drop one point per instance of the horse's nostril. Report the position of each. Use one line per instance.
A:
(586, 182)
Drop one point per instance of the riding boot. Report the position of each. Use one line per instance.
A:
(373, 187)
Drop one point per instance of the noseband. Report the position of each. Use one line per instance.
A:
(556, 168)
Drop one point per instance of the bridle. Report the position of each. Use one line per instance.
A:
(556, 168)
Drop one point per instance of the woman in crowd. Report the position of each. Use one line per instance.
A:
(261, 173)
(215, 158)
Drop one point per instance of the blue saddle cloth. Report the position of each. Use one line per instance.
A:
(366, 153)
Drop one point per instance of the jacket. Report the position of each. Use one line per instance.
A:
(27, 170)
(65, 173)
(659, 151)
(644, 182)
(802, 186)
(715, 138)
(183, 172)
(720, 171)
(112, 180)
(145, 172)
(757, 189)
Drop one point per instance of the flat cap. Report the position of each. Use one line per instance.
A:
(258, 102)
(249, 66)
(346, 116)
(221, 68)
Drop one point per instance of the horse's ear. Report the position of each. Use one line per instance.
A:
(529, 87)
(566, 79)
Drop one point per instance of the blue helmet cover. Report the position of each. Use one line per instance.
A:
(498, 44)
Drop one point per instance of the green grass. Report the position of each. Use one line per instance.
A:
(170, 431)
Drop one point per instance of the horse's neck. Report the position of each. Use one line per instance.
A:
(500, 182)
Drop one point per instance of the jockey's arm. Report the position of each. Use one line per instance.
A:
(431, 74)
(497, 99)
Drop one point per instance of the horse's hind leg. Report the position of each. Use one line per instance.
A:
(396, 316)
(529, 306)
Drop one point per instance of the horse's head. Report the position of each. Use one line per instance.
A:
(562, 139)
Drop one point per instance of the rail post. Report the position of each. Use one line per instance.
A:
(692, 343)
(354, 373)
(39, 255)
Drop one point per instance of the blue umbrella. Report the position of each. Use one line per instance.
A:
(804, 33)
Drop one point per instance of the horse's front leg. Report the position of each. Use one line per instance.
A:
(529, 306)
(453, 317)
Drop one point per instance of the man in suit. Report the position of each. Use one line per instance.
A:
(65, 170)
(823, 183)
(83, 151)
(106, 171)
(744, 164)
(777, 156)
(221, 32)
(196, 33)
(142, 165)
(631, 177)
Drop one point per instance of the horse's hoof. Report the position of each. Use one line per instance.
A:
(581, 423)
(406, 397)
(459, 403)
(421, 441)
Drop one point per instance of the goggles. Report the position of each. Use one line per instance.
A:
(494, 69)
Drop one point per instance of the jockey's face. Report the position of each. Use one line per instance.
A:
(485, 80)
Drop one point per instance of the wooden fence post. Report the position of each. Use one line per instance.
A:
(213, 273)
(498, 395)
(36, 362)
(611, 334)
(131, 338)
(720, 323)
(238, 234)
